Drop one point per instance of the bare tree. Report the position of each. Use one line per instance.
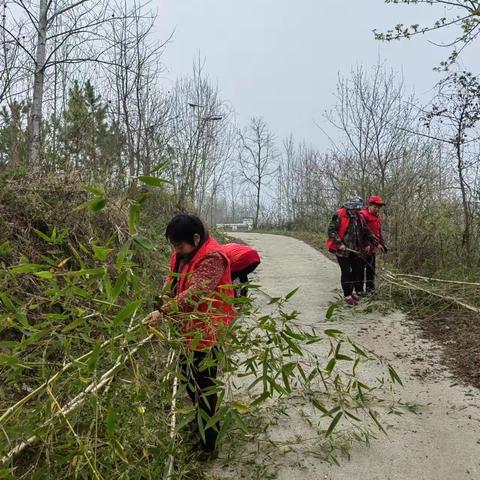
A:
(456, 112)
(257, 158)
(373, 115)
(72, 28)
(200, 140)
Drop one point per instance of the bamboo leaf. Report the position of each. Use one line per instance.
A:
(153, 181)
(394, 375)
(331, 309)
(133, 217)
(126, 312)
(332, 332)
(333, 423)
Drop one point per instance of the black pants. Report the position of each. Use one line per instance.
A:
(242, 275)
(369, 269)
(352, 273)
(199, 380)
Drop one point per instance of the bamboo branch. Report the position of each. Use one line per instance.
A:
(7, 414)
(94, 387)
(430, 279)
(410, 286)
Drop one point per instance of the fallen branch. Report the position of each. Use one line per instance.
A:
(429, 279)
(390, 277)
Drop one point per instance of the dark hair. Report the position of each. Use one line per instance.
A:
(183, 227)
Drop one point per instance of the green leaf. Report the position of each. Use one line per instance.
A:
(7, 302)
(333, 423)
(27, 268)
(45, 275)
(394, 375)
(330, 311)
(291, 294)
(332, 332)
(119, 285)
(111, 422)
(143, 243)
(126, 312)
(122, 253)
(152, 181)
(101, 253)
(97, 191)
(133, 217)
(88, 271)
(374, 418)
(330, 365)
(340, 356)
(160, 166)
(320, 407)
(42, 235)
(72, 325)
(95, 204)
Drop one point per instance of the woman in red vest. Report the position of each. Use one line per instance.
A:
(199, 272)
(371, 214)
(348, 233)
(243, 261)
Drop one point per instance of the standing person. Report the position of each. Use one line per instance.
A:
(347, 234)
(199, 267)
(243, 261)
(371, 214)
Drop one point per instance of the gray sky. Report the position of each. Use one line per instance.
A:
(280, 58)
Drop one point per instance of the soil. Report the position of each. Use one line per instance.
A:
(458, 332)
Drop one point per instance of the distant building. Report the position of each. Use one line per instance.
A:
(247, 224)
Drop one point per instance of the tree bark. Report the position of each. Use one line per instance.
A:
(38, 84)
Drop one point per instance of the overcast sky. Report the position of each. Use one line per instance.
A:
(280, 59)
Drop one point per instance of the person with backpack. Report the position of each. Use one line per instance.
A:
(348, 233)
(371, 214)
(243, 261)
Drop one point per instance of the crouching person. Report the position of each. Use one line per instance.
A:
(199, 268)
(243, 261)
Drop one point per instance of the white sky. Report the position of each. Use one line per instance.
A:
(280, 58)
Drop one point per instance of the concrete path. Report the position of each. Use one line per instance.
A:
(442, 442)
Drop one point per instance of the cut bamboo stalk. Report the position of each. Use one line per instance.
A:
(92, 388)
(430, 279)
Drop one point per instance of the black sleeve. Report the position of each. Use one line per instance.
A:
(333, 228)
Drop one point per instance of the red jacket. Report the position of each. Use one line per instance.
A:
(240, 256)
(211, 314)
(374, 222)
(344, 222)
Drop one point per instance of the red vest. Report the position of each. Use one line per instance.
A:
(374, 222)
(214, 312)
(240, 256)
(344, 222)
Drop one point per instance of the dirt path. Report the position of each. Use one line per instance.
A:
(442, 442)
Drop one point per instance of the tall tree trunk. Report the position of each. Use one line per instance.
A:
(38, 84)
(466, 209)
